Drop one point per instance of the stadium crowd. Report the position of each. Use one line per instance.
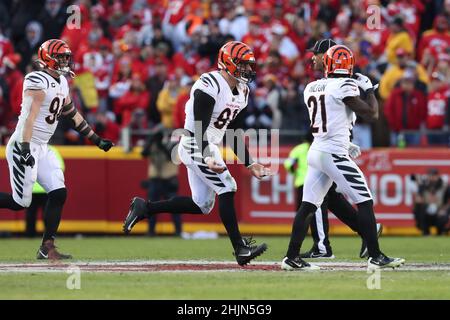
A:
(135, 60)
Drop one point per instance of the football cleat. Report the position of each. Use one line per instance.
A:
(138, 212)
(315, 254)
(297, 264)
(382, 261)
(248, 251)
(364, 253)
(48, 251)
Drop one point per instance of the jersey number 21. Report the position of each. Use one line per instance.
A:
(312, 103)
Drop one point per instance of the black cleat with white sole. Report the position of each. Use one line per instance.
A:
(364, 253)
(382, 261)
(138, 212)
(315, 254)
(297, 264)
(248, 251)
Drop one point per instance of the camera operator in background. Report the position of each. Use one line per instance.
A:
(431, 202)
(162, 182)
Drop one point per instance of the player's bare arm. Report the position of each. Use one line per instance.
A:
(34, 98)
(81, 125)
(366, 110)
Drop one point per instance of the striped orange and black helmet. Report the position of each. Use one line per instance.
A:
(56, 55)
(234, 56)
(338, 60)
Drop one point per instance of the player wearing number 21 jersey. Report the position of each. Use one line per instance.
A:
(331, 120)
(332, 103)
(45, 99)
(215, 104)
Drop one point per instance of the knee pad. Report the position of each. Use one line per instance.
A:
(58, 196)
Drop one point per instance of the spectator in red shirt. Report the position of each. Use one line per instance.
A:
(405, 109)
(410, 10)
(6, 48)
(299, 34)
(14, 80)
(438, 109)
(340, 32)
(107, 127)
(434, 43)
(135, 98)
(75, 35)
(254, 38)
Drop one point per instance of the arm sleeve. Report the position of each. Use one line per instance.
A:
(238, 123)
(203, 109)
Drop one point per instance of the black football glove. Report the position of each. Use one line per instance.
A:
(25, 155)
(105, 144)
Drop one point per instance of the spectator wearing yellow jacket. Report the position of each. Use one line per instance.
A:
(396, 71)
(399, 38)
(167, 99)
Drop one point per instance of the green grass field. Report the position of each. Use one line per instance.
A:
(252, 284)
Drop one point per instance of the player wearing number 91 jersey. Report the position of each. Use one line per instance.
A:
(45, 98)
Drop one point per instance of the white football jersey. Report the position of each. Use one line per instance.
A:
(226, 108)
(55, 98)
(331, 119)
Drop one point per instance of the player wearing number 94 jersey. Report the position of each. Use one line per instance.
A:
(216, 101)
(45, 99)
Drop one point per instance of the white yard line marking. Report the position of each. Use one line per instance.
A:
(188, 266)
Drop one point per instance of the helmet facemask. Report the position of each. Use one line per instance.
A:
(63, 63)
(245, 74)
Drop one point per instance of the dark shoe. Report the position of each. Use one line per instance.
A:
(138, 212)
(316, 254)
(248, 251)
(48, 252)
(382, 261)
(297, 264)
(364, 252)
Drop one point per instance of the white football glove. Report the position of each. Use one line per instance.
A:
(363, 82)
(354, 151)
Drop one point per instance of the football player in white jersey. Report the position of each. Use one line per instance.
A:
(333, 201)
(216, 99)
(332, 103)
(45, 99)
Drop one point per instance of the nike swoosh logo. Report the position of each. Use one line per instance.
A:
(245, 255)
(44, 255)
(132, 222)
